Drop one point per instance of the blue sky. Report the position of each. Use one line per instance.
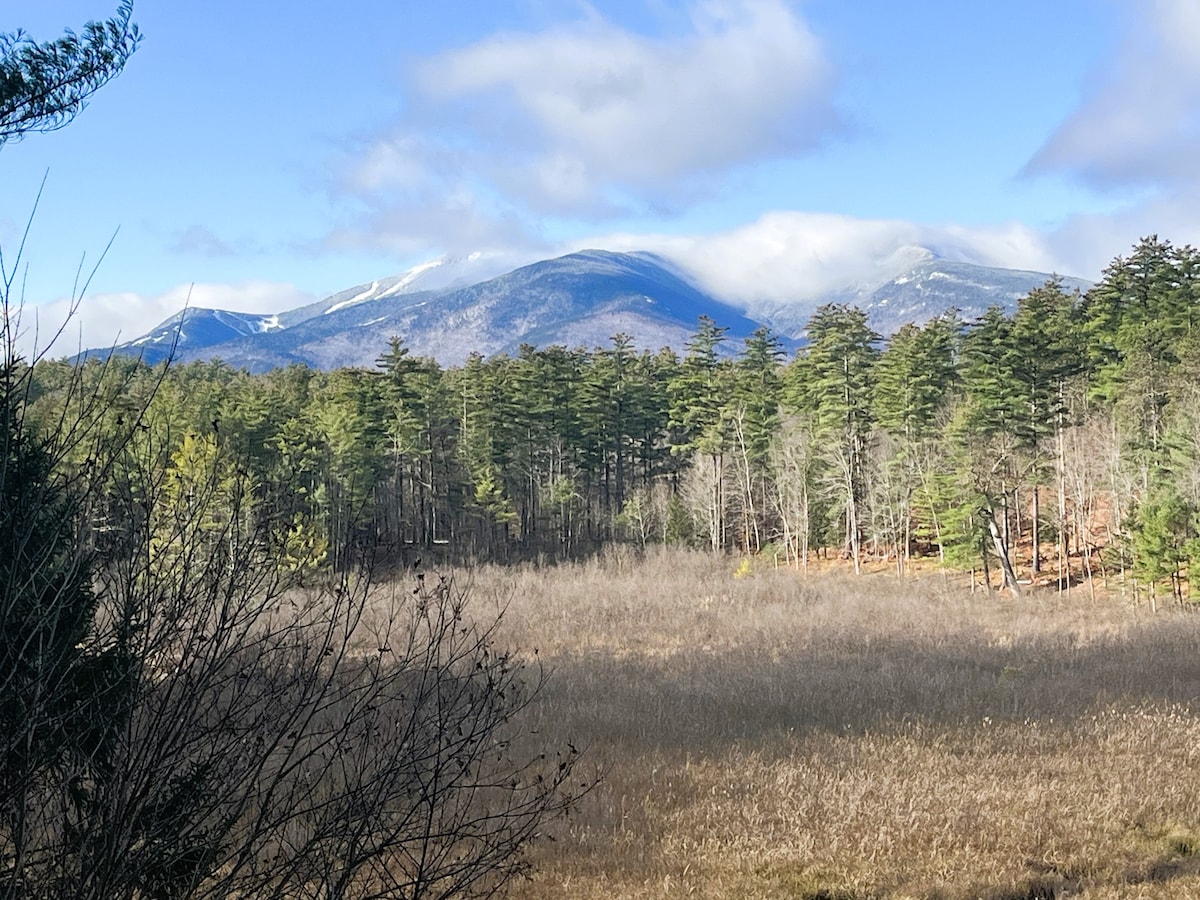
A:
(260, 155)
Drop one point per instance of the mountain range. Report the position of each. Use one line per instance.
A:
(581, 299)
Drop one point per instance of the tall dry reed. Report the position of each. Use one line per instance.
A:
(774, 736)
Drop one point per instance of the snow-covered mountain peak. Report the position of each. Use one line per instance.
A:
(450, 306)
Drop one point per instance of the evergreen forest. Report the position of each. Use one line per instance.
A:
(1066, 432)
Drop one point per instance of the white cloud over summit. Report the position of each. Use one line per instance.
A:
(795, 257)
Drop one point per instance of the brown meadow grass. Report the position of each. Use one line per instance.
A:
(783, 736)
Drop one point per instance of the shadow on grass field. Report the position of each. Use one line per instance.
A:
(778, 736)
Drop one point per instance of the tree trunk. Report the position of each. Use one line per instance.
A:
(1064, 547)
(1036, 531)
(1010, 578)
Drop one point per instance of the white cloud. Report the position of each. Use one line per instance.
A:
(1140, 125)
(588, 121)
(613, 108)
(785, 255)
(1092, 241)
(101, 320)
(1007, 246)
(793, 258)
(1134, 137)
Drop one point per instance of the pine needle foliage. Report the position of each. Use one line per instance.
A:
(44, 86)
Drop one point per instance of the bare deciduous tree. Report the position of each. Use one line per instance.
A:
(181, 720)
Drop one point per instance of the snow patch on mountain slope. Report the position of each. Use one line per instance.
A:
(357, 298)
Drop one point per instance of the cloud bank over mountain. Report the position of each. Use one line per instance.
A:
(794, 257)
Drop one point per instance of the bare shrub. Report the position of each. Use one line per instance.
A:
(186, 722)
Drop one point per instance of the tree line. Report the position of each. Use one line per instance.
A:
(1069, 423)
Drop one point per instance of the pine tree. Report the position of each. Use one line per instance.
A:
(916, 375)
(697, 392)
(831, 380)
(407, 444)
(348, 419)
(1047, 356)
(607, 404)
(1136, 319)
(916, 380)
(1164, 532)
(44, 86)
(64, 695)
(699, 395)
(489, 428)
(550, 383)
(1140, 333)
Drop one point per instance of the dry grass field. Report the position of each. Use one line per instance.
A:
(781, 736)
